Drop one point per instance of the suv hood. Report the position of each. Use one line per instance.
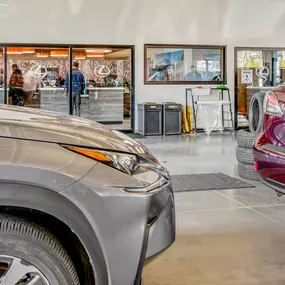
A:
(45, 126)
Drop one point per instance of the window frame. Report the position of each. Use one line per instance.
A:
(236, 50)
(223, 49)
(70, 47)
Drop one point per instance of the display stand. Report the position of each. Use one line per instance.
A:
(198, 93)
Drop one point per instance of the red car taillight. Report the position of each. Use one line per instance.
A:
(271, 105)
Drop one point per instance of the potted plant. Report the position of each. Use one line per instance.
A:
(126, 84)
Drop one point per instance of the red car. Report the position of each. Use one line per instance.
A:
(269, 148)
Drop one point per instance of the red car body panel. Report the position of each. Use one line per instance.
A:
(269, 148)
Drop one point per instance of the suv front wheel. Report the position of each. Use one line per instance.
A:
(31, 255)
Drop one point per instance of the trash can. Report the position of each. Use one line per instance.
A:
(172, 118)
(150, 119)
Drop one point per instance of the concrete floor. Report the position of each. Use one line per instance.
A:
(223, 237)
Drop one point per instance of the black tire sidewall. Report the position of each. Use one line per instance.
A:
(256, 98)
(36, 254)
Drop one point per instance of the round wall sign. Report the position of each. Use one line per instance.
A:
(102, 71)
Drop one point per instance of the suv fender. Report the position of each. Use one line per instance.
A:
(48, 201)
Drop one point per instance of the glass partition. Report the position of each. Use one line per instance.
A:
(258, 70)
(36, 77)
(2, 93)
(166, 64)
(106, 95)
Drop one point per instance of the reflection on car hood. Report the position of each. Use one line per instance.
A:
(35, 124)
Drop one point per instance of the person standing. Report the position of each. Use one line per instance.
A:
(78, 87)
(194, 75)
(16, 84)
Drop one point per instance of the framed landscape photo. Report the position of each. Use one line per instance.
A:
(184, 64)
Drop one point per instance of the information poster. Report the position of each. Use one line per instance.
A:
(246, 76)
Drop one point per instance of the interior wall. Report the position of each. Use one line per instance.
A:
(233, 23)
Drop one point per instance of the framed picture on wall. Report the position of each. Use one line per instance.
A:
(184, 64)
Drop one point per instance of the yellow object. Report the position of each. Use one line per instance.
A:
(185, 126)
(189, 118)
(252, 63)
(282, 64)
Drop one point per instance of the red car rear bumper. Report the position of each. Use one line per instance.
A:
(270, 163)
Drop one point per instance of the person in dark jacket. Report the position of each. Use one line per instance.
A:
(194, 75)
(16, 84)
(78, 87)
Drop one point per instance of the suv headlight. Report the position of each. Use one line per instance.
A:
(139, 166)
(124, 162)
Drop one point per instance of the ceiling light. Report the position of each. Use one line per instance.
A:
(28, 50)
(98, 50)
(95, 54)
(42, 54)
(14, 51)
(80, 57)
(59, 53)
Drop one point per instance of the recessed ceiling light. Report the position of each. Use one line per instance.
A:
(59, 53)
(98, 50)
(80, 57)
(42, 54)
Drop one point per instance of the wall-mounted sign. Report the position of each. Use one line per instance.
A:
(102, 71)
(246, 76)
(39, 71)
(262, 72)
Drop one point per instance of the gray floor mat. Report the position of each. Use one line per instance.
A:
(208, 181)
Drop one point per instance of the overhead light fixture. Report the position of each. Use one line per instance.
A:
(42, 54)
(80, 57)
(95, 54)
(59, 53)
(98, 50)
(28, 50)
(14, 51)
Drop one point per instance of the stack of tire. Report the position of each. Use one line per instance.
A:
(246, 139)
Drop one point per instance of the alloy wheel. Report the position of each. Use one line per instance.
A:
(17, 271)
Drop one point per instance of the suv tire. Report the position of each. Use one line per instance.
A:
(244, 155)
(31, 248)
(256, 113)
(245, 138)
(247, 171)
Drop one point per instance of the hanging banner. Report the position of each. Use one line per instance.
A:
(246, 76)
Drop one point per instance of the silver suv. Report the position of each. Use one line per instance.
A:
(80, 203)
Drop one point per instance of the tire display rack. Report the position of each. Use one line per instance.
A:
(244, 155)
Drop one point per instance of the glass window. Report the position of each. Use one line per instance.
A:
(182, 65)
(107, 73)
(257, 70)
(2, 101)
(36, 77)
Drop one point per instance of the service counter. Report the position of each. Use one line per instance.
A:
(104, 105)
(1, 95)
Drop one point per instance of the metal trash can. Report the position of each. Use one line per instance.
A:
(172, 118)
(150, 119)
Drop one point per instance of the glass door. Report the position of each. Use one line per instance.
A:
(36, 77)
(107, 74)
